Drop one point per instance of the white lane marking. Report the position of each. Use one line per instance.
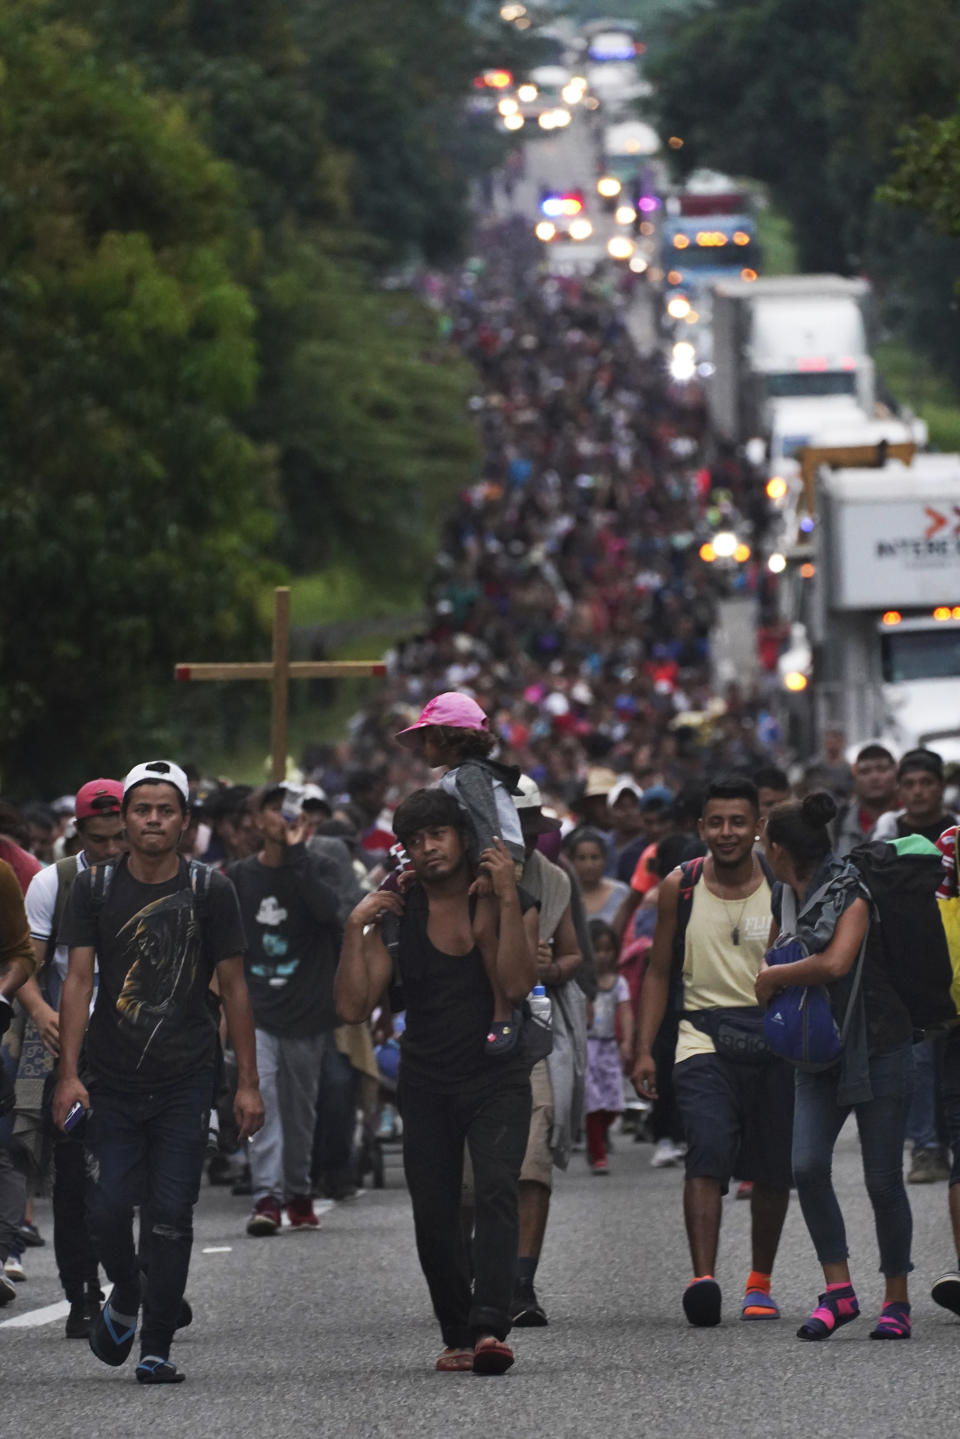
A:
(50, 1313)
(33, 1319)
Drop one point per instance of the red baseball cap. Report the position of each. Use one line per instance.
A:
(99, 796)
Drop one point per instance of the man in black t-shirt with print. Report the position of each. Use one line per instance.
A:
(451, 1090)
(160, 929)
(289, 913)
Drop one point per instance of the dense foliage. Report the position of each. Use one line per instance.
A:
(203, 378)
(814, 98)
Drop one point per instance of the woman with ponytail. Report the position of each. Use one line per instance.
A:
(828, 909)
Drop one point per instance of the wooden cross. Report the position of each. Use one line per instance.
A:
(279, 671)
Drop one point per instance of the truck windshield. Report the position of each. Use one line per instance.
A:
(810, 384)
(712, 257)
(932, 654)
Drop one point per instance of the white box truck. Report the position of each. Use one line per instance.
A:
(884, 612)
(787, 337)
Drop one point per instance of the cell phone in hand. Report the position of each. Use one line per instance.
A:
(75, 1113)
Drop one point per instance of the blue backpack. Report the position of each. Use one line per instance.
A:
(799, 1025)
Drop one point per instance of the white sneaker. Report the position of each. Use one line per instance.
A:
(8, 1290)
(14, 1270)
(665, 1155)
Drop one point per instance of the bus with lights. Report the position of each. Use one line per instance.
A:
(708, 235)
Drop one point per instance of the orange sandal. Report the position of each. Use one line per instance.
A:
(491, 1356)
(455, 1361)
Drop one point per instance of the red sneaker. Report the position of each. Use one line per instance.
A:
(600, 1166)
(266, 1217)
(301, 1213)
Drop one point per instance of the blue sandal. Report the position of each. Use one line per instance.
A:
(154, 1370)
(757, 1304)
(112, 1335)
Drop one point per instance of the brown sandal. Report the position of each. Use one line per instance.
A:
(491, 1356)
(455, 1361)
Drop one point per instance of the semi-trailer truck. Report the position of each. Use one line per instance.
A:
(790, 337)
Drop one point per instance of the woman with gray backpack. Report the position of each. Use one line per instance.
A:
(822, 975)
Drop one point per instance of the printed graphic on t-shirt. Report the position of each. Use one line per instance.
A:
(271, 911)
(756, 926)
(161, 948)
(275, 947)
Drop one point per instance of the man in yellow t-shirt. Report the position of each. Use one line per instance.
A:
(736, 1100)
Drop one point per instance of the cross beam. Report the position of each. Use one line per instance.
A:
(279, 671)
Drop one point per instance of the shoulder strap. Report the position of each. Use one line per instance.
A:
(764, 864)
(200, 880)
(66, 874)
(690, 873)
(100, 884)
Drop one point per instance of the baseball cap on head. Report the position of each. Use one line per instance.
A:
(451, 708)
(98, 796)
(922, 759)
(626, 784)
(529, 803)
(158, 771)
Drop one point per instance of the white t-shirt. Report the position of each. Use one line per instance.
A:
(41, 904)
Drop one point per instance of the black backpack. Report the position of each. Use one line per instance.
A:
(907, 938)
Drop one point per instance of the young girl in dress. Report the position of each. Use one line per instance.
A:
(453, 733)
(607, 1058)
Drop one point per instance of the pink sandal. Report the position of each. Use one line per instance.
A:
(455, 1361)
(491, 1356)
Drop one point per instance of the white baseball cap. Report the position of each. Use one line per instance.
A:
(158, 771)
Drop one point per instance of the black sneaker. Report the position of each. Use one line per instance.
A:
(83, 1312)
(946, 1291)
(526, 1310)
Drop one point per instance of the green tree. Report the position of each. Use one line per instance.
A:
(134, 510)
(753, 89)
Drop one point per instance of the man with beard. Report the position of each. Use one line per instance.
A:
(451, 1093)
(713, 925)
(159, 927)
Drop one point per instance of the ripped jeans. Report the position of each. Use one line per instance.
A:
(147, 1150)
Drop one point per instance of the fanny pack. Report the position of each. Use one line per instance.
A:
(737, 1034)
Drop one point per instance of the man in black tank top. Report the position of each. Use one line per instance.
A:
(452, 1091)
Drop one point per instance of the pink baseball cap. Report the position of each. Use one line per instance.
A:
(451, 708)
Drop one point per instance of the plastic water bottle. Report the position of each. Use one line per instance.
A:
(541, 1010)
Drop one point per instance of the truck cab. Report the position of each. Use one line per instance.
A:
(885, 603)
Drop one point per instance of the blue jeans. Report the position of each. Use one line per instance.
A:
(882, 1123)
(923, 1124)
(147, 1150)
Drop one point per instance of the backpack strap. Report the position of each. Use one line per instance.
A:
(690, 874)
(100, 884)
(66, 873)
(200, 881)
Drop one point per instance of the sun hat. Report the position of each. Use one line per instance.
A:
(451, 708)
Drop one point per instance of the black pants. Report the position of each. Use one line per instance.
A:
(494, 1125)
(148, 1150)
(336, 1117)
(72, 1243)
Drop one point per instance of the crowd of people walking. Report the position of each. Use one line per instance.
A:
(553, 865)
